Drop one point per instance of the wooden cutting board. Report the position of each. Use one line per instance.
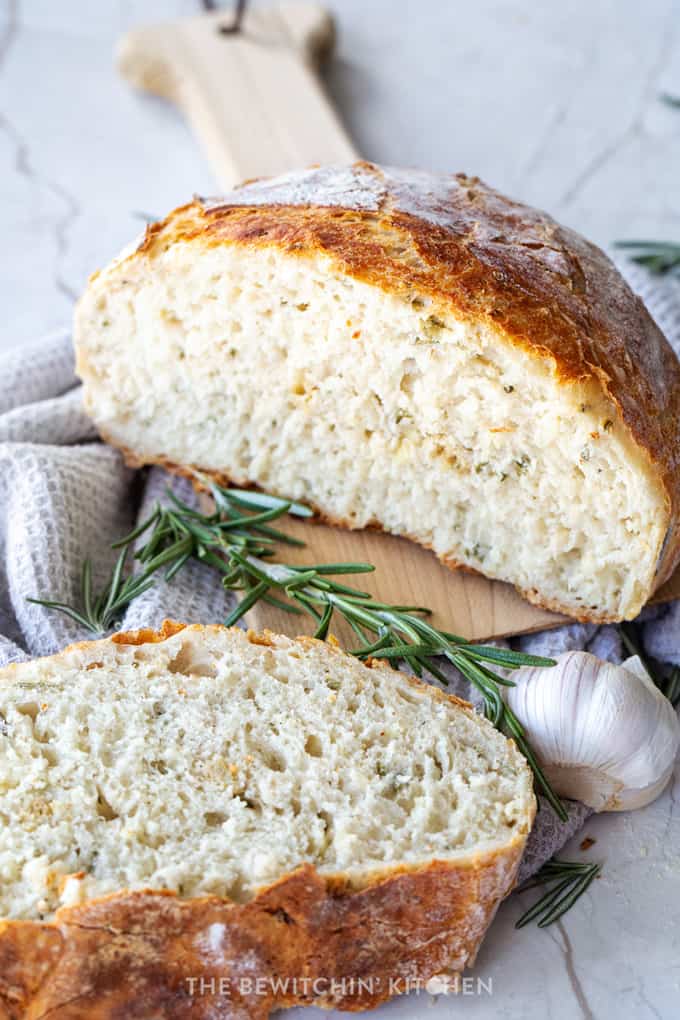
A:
(255, 102)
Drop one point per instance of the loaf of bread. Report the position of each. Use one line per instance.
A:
(405, 351)
(187, 811)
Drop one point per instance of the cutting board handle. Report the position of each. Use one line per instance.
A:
(253, 97)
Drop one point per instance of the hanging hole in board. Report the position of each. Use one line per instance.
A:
(228, 28)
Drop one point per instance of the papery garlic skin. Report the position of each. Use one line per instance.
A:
(603, 734)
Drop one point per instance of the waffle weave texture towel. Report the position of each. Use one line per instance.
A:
(65, 496)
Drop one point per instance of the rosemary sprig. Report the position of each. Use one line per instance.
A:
(658, 256)
(178, 533)
(237, 539)
(668, 685)
(568, 880)
(100, 612)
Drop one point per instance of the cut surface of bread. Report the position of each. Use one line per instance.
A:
(193, 786)
(406, 351)
(213, 763)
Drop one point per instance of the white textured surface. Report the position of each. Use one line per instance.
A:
(554, 103)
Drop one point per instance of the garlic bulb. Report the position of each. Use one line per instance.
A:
(604, 734)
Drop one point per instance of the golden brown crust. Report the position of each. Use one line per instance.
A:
(146, 635)
(305, 939)
(487, 259)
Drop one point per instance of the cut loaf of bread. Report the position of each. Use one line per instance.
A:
(206, 804)
(405, 351)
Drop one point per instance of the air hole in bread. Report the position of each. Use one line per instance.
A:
(104, 809)
(313, 746)
(189, 663)
(272, 760)
(214, 819)
(30, 709)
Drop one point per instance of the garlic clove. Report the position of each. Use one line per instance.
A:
(629, 800)
(584, 783)
(604, 734)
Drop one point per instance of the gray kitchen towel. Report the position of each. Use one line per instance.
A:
(65, 496)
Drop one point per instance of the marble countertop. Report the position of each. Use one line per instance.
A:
(554, 103)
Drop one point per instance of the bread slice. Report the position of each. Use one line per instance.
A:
(206, 803)
(405, 351)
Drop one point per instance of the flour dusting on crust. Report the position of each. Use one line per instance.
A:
(359, 186)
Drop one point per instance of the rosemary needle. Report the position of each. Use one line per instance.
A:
(238, 540)
(659, 257)
(568, 880)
